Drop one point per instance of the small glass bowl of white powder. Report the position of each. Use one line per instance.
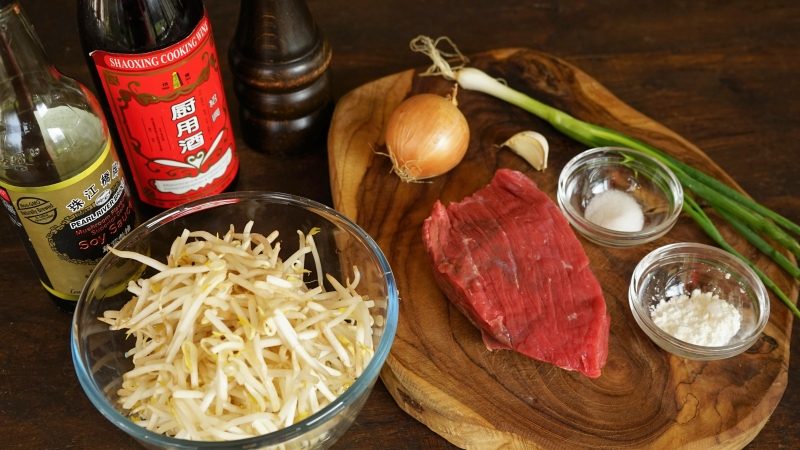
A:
(619, 197)
(697, 301)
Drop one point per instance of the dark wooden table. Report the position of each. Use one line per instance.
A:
(724, 74)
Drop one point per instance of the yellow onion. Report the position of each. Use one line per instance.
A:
(426, 136)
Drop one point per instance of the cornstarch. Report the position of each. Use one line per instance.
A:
(702, 319)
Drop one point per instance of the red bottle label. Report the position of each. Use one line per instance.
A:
(172, 118)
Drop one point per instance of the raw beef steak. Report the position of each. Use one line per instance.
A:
(508, 259)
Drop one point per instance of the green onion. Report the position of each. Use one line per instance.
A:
(696, 212)
(745, 215)
(761, 244)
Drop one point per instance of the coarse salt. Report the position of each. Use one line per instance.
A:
(615, 210)
(702, 319)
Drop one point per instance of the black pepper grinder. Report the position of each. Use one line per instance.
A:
(280, 64)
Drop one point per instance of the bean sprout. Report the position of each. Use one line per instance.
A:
(231, 342)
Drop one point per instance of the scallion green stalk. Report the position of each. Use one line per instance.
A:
(696, 212)
(761, 244)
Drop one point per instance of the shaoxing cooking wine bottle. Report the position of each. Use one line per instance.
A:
(157, 65)
(61, 182)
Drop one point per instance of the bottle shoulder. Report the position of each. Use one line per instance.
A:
(123, 26)
(64, 119)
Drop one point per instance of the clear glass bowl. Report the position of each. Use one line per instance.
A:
(98, 353)
(649, 182)
(680, 268)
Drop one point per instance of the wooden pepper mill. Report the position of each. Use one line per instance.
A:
(280, 64)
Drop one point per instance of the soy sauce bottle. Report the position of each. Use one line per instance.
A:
(61, 182)
(157, 65)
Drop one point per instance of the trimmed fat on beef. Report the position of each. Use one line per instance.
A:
(508, 259)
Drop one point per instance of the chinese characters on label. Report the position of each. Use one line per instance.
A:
(76, 204)
(187, 126)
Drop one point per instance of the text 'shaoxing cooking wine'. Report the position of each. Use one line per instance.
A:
(156, 62)
(61, 182)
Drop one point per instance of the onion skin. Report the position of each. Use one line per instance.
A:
(426, 136)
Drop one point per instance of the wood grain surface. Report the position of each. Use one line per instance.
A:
(440, 372)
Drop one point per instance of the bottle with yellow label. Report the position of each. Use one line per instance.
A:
(61, 183)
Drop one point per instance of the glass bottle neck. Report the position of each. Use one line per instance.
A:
(21, 52)
(24, 70)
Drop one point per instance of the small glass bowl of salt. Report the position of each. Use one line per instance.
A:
(619, 197)
(697, 301)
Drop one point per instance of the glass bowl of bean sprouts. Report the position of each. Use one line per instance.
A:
(243, 320)
(619, 197)
(697, 301)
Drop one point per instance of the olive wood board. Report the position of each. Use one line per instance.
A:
(439, 371)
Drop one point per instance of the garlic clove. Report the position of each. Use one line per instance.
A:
(531, 146)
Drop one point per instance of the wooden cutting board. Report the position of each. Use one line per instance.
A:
(440, 372)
